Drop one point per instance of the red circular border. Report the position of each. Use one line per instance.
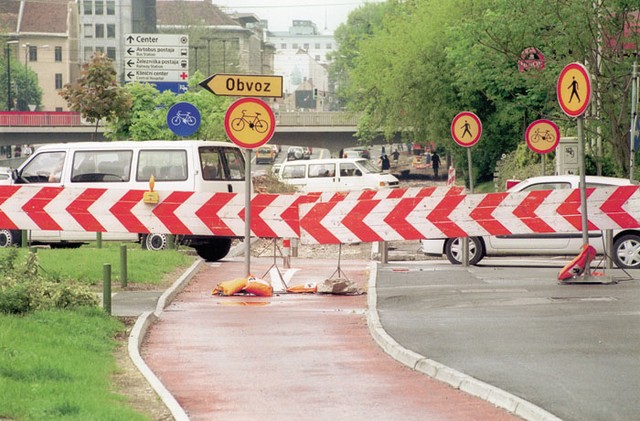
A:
(232, 136)
(585, 73)
(476, 119)
(528, 138)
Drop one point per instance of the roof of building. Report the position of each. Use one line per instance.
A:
(45, 17)
(170, 13)
(9, 10)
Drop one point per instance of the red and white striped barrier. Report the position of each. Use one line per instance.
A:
(395, 214)
(467, 215)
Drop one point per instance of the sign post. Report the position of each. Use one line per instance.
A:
(249, 123)
(466, 129)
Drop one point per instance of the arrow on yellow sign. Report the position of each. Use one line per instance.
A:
(244, 85)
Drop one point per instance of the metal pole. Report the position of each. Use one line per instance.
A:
(634, 118)
(543, 162)
(7, 51)
(106, 287)
(247, 212)
(583, 184)
(465, 240)
(123, 265)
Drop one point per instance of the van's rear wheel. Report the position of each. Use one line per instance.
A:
(10, 238)
(214, 250)
(154, 241)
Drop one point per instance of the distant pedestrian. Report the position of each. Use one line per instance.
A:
(385, 164)
(396, 156)
(435, 163)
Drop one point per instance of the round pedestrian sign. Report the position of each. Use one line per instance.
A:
(249, 123)
(574, 89)
(466, 129)
(542, 136)
(183, 119)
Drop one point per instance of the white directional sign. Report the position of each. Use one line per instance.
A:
(162, 59)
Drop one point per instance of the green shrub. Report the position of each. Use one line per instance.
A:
(23, 289)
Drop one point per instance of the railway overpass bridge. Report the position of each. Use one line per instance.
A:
(331, 130)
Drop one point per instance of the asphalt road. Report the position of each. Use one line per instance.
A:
(569, 349)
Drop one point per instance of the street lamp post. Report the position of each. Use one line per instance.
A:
(7, 52)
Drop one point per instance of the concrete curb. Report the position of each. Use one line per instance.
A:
(454, 378)
(139, 332)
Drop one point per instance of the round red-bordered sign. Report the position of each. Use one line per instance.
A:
(249, 123)
(466, 129)
(542, 136)
(574, 89)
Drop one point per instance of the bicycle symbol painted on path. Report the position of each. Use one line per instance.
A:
(254, 122)
(183, 118)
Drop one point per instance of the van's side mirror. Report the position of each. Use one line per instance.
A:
(14, 175)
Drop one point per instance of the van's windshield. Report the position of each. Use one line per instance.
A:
(367, 166)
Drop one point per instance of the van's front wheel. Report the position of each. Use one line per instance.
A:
(214, 250)
(10, 238)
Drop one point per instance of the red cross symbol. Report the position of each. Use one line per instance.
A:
(184, 76)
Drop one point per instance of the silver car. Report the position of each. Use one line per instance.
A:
(626, 243)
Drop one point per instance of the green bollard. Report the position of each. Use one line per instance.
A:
(123, 265)
(24, 237)
(99, 240)
(106, 288)
(171, 242)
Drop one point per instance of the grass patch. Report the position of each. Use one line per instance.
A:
(57, 365)
(85, 264)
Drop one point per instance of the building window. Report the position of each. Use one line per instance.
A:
(58, 53)
(283, 46)
(111, 30)
(99, 49)
(58, 109)
(99, 7)
(88, 30)
(58, 80)
(33, 53)
(99, 30)
(111, 7)
(88, 52)
(305, 46)
(317, 58)
(317, 45)
(294, 46)
(329, 46)
(111, 53)
(88, 7)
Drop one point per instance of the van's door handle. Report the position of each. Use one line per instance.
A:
(230, 188)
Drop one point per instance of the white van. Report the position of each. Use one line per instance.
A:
(198, 166)
(335, 174)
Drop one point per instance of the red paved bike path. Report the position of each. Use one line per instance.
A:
(290, 356)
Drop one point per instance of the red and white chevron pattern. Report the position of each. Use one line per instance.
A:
(394, 214)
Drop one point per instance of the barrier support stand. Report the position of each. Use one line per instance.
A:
(338, 270)
(275, 263)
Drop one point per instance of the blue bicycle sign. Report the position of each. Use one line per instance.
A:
(183, 119)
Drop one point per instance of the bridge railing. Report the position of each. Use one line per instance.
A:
(40, 118)
(324, 118)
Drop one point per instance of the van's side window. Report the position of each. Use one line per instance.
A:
(348, 169)
(322, 170)
(293, 171)
(221, 163)
(101, 166)
(45, 167)
(164, 165)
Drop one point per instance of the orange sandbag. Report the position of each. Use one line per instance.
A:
(230, 287)
(309, 287)
(258, 287)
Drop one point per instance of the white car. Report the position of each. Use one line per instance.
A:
(626, 243)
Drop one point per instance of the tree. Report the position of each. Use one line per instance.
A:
(147, 118)
(96, 94)
(25, 89)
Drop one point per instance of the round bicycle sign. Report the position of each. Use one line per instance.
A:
(466, 129)
(542, 136)
(249, 122)
(183, 119)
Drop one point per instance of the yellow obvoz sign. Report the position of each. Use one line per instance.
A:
(244, 85)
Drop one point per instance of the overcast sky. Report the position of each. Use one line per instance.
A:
(326, 14)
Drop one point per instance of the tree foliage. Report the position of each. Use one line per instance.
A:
(96, 95)
(147, 118)
(411, 66)
(23, 86)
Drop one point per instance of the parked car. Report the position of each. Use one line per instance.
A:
(265, 155)
(626, 243)
(298, 152)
